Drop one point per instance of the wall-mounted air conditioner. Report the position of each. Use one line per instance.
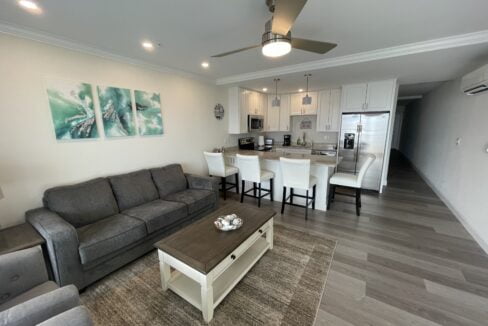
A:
(475, 82)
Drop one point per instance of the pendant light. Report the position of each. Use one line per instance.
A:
(307, 100)
(276, 101)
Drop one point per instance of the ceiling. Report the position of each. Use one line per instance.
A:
(190, 31)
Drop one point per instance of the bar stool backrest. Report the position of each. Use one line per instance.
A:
(362, 171)
(295, 173)
(216, 164)
(249, 167)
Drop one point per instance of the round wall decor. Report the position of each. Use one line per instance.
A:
(219, 111)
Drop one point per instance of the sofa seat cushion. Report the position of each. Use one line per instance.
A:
(83, 203)
(196, 199)
(169, 179)
(29, 294)
(134, 189)
(109, 235)
(158, 214)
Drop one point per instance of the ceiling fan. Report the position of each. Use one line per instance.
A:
(277, 40)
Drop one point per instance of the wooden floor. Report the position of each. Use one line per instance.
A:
(405, 261)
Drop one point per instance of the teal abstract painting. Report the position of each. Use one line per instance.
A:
(116, 110)
(72, 109)
(149, 117)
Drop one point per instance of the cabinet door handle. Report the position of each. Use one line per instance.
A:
(233, 257)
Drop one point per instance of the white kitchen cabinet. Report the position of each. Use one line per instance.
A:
(380, 95)
(278, 118)
(354, 97)
(297, 108)
(237, 110)
(285, 112)
(256, 103)
(368, 97)
(273, 116)
(328, 115)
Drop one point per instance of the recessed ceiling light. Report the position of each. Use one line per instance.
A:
(148, 45)
(265, 89)
(205, 64)
(300, 90)
(30, 5)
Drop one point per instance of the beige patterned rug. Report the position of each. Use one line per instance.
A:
(283, 288)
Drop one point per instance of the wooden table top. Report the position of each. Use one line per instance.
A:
(19, 237)
(202, 246)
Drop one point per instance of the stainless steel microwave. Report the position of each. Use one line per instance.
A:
(255, 123)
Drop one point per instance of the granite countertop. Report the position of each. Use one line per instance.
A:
(272, 155)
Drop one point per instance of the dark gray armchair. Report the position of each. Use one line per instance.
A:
(27, 297)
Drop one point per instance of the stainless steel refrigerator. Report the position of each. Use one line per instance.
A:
(362, 134)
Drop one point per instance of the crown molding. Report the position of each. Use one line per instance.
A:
(7, 28)
(386, 53)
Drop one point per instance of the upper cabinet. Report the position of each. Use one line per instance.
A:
(278, 117)
(297, 108)
(257, 103)
(329, 111)
(373, 96)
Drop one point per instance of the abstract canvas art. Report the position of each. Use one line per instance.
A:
(148, 107)
(72, 109)
(116, 111)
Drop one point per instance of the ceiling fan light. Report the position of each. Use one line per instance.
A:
(277, 48)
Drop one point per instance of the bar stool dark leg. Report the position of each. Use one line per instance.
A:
(224, 187)
(254, 189)
(358, 201)
(271, 189)
(237, 182)
(283, 201)
(313, 196)
(259, 195)
(331, 195)
(243, 190)
(306, 205)
(291, 196)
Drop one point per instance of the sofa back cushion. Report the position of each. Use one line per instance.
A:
(134, 189)
(82, 203)
(169, 179)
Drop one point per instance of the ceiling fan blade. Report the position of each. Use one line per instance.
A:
(311, 45)
(285, 14)
(235, 51)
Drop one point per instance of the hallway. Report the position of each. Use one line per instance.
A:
(405, 261)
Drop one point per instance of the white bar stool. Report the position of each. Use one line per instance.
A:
(250, 170)
(217, 168)
(350, 181)
(296, 175)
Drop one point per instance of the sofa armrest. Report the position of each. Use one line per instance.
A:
(77, 316)
(202, 182)
(21, 271)
(62, 244)
(41, 308)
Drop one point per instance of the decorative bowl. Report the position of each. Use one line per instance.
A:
(228, 222)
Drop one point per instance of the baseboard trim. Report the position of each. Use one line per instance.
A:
(481, 242)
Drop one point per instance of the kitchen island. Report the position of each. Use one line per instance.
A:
(322, 167)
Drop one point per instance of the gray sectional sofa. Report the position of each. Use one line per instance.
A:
(28, 298)
(95, 227)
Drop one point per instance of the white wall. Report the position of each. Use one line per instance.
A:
(31, 159)
(459, 173)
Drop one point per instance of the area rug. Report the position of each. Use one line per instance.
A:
(283, 288)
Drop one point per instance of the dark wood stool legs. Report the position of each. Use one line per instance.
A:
(258, 191)
(357, 195)
(309, 200)
(224, 183)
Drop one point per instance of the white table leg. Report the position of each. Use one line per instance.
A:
(165, 272)
(269, 236)
(207, 300)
